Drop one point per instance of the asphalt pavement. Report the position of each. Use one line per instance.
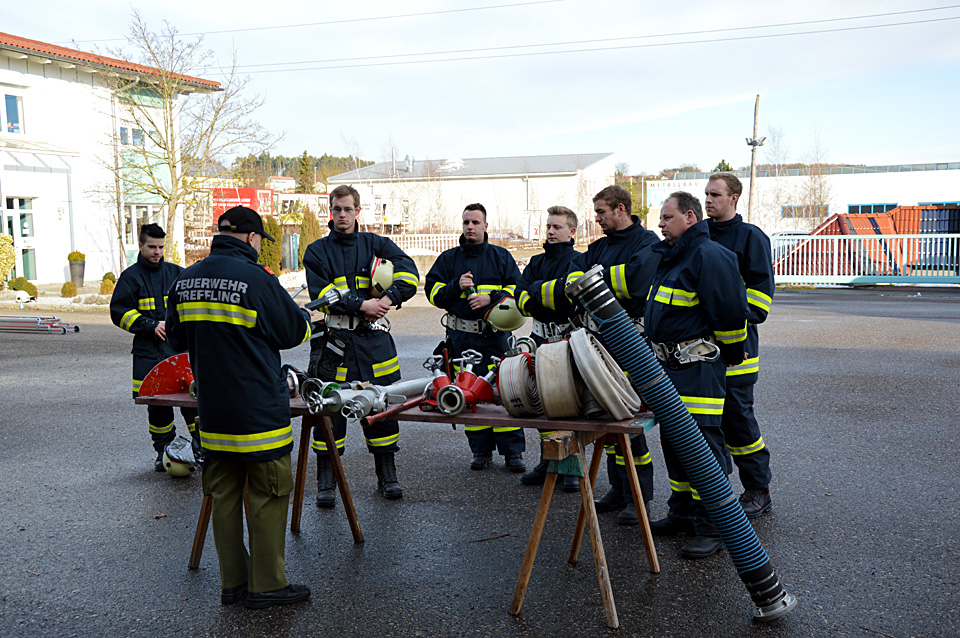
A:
(858, 403)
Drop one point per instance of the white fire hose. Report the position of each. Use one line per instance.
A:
(603, 376)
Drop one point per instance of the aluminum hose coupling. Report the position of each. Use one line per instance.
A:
(593, 293)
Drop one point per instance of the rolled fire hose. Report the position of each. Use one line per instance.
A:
(517, 385)
(753, 565)
(603, 376)
(556, 381)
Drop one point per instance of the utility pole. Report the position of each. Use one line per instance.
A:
(753, 143)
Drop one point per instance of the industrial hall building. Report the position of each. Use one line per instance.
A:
(63, 144)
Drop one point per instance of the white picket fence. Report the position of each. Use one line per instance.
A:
(435, 244)
(867, 259)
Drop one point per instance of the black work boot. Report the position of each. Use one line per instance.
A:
(326, 482)
(158, 464)
(538, 474)
(571, 483)
(611, 501)
(628, 515)
(701, 547)
(755, 503)
(387, 483)
(514, 463)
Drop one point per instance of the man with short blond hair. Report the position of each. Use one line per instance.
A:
(740, 428)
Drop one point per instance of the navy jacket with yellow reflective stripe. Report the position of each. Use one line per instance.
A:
(342, 260)
(234, 317)
(139, 302)
(695, 292)
(754, 258)
(615, 248)
(494, 271)
(538, 279)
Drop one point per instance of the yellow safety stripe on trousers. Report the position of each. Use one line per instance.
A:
(147, 304)
(383, 441)
(759, 299)
(727, 337)
(502, 430)
(546, 294)
(703, 405)
(643, 460)
(522, 302)
(126, 322)
(748, 366)
(191, 426)
(320, 446)
(341, 373)
(756, 446)
(387, 367)
(476, 428)
(161, 429)
(610, 449)
(136, 385)
(676, 297)
(437, 287)
(679, 486)
(618, 281)
(217, 313)
(407, 278)
(309, 333)
(247, 443)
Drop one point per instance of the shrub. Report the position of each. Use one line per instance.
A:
(310, 231)
(68, 289)
(17, 283)
(106, 287)
(270, 250)
(76, 256)
(8, 255)
(30, 289)
(109, 276)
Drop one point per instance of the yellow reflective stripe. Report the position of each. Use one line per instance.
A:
(387, 367)
(437, 287)
(341, 374)
(731, 336)
(510, 290)
(546, 294)
(676, 297)
(703, 405)
(501, 430)
(618, 280)
(217, 313)
(126, 322)
(522, 301)
(320, 446)
(679, 486)
(573, 275)
(407, 278)
(545, 434)
(308, 334)
(325, 290)
(486, 289)
(246, 443)
(383, 441)
(756, 446)
(161, 429)
(136, 385)
(637, 461)
(748, 366)
(759, 299)
(476, 428)
(341, 283)
(147, 304)
(363, 282)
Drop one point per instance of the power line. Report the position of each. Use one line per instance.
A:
(617, 48)
(351, 20)
(579, 42)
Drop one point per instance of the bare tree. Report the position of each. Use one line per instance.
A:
(179, 126)
(817, 189)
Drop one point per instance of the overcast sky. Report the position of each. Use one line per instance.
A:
(676, 85)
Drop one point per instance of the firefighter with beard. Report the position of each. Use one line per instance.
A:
(467, 282)
(355, 344)
(534, 286)
(138, 305)
(624, 237)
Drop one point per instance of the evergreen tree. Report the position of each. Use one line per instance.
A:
(270, 251)
(723, 167)
(305, 182)
(310, 231)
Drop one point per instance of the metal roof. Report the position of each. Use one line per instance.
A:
(471, 167)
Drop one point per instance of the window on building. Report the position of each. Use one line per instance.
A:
(859, 209)
(124, 135)
(136, 216)
(952, 204)
(21, 208)
(137, 137)
(13, 114)
(804, 212)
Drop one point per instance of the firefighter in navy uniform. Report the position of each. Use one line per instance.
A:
(138, 305)
(543, 271)
(740, 428)
(624, 237)
(234, 317)
(356, 345)
(695, 317)
(466, 281)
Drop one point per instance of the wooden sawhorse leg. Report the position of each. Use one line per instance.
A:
(200, 536)
(325, 425)
(624, 441)
(600, 561)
